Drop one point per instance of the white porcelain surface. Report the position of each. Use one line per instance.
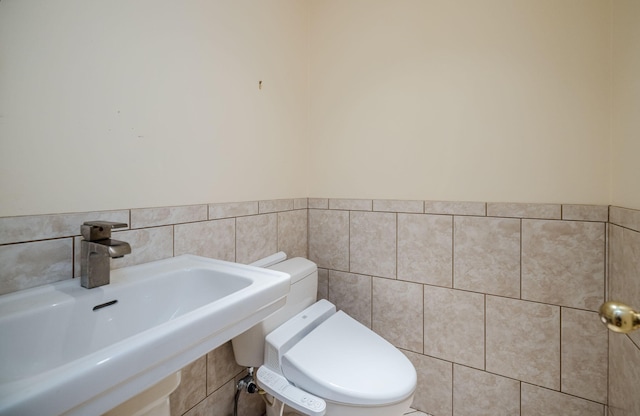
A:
(345, 362)
(59, 355)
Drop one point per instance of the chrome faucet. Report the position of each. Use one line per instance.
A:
(97, 249)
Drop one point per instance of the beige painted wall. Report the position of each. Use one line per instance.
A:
(495, 100)
(140, 104)
(625, 187)
(124, 104)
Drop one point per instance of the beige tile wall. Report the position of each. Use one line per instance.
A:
(624, 286)
(36, 250)
(493, 303)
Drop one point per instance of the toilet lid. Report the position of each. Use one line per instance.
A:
(344, 361)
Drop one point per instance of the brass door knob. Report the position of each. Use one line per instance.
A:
(619, 317)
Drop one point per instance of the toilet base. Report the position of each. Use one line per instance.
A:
(341, 409)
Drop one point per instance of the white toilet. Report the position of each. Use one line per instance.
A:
(319, 361)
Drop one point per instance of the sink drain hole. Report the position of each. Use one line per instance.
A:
(104, 305)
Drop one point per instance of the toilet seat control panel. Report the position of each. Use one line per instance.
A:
(280, 388)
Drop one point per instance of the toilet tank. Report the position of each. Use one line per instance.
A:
(248, 347)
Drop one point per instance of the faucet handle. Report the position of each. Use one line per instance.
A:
(99, 230)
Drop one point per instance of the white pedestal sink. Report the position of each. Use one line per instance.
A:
(154, 401)
(70, 350)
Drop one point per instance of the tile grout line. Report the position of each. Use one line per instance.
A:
(485, 331)
(349, 241)
(520, 395)
(521, 240)
(235, 239)
(453, 251)
(452, 388)
(397, 244)
(560, 351)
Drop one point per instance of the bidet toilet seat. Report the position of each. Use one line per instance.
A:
(342, 369)
(343, 361)
(333, 356)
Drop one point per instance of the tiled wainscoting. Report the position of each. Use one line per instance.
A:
(40, 249)
(495, 304)
(36, 250)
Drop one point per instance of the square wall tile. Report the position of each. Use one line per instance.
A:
(624, 375)
(398, 313)
(523, 341)
(292, 233)
(256, 237)
(147, 244)
(425, 253)
(352, 294)
(454, 325)
(487, 255)
(537, 401)
(27, 265)
(435, 383)
(215, 239)
(192, 388)
(373, 243)
(221, 367)
(479, 393)
(329, 239)
(219, 402)
(563, 263)
(584, 344)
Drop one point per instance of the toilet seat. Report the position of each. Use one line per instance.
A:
(343, 361)
(334, 366)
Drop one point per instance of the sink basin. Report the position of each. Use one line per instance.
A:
(66, 349)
